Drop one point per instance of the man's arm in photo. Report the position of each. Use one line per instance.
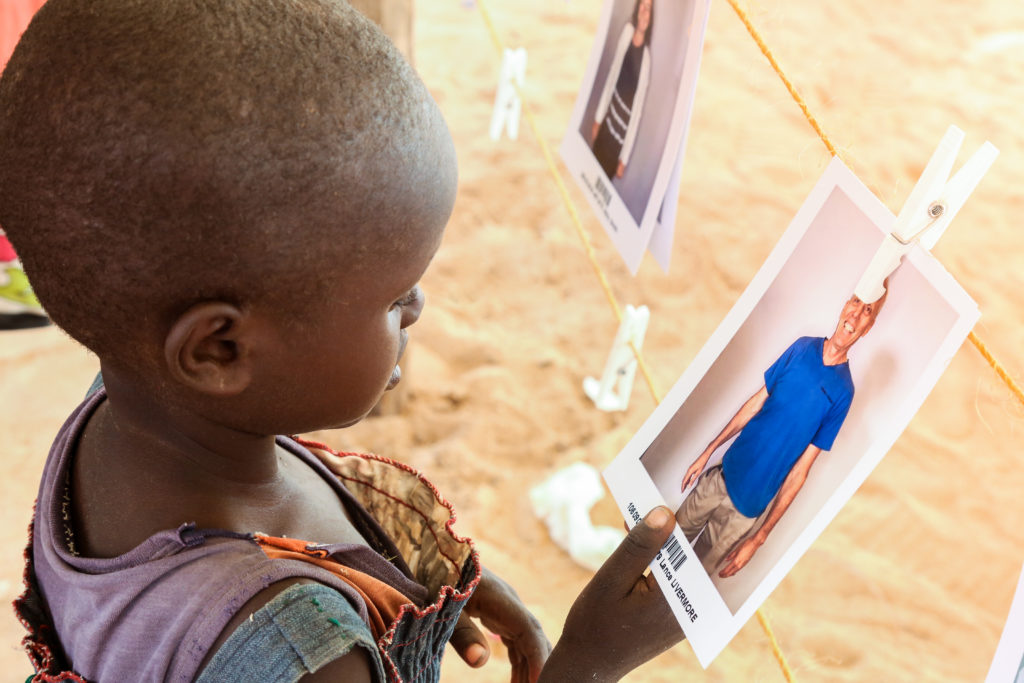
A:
(746, 412)
(741, 554)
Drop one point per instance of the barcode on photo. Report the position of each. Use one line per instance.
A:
(674, 551)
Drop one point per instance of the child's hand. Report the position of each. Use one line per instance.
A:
(621, 619)
(498, 608)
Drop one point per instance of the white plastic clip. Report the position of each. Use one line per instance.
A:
(612, 392)
(507, 105)
(928, 211)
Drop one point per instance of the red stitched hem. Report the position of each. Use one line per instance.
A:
(401, 502)
(39, 653)
(400, 465)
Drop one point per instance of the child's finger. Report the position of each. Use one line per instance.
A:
(470, 642)
(620, 571)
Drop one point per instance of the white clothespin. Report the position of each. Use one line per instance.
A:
(507, 105)
(931, 206)
(612, 392)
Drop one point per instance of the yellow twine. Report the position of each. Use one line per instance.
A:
(978, 343)
(776, 650)
(997, 366)
(766, 51)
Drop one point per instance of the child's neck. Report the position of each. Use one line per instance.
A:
(182, 440)
(141, 467)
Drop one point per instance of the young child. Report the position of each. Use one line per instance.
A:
(231, 204)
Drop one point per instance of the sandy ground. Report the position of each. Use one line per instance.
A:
(913, 580)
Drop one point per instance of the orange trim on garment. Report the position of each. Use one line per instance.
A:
(383, 602)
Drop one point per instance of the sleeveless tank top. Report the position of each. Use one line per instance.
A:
(152, 613)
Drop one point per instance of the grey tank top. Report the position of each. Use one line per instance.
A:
(152, 613)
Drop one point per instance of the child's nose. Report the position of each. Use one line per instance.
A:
(411, 312)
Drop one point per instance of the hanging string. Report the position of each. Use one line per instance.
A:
(766, 51)
(776, 650)
(752, 30)
(588, 247)
(997, 366)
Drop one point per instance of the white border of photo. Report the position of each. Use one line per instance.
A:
(1008, 662)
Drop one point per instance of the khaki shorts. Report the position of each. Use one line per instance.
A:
(709, 508)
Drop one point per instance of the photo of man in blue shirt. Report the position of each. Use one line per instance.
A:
(781, 429)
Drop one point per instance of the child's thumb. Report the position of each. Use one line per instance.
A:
(470, 642)
(620, 571)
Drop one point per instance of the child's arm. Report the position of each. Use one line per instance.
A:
(621, 619)
(352, 668)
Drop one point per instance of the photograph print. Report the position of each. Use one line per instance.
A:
(627, 133)
(788, 407)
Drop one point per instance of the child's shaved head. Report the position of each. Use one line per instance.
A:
(156, 153)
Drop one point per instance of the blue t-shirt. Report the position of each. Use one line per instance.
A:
(807, 403)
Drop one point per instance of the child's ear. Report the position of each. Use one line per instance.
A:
(207, 349)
